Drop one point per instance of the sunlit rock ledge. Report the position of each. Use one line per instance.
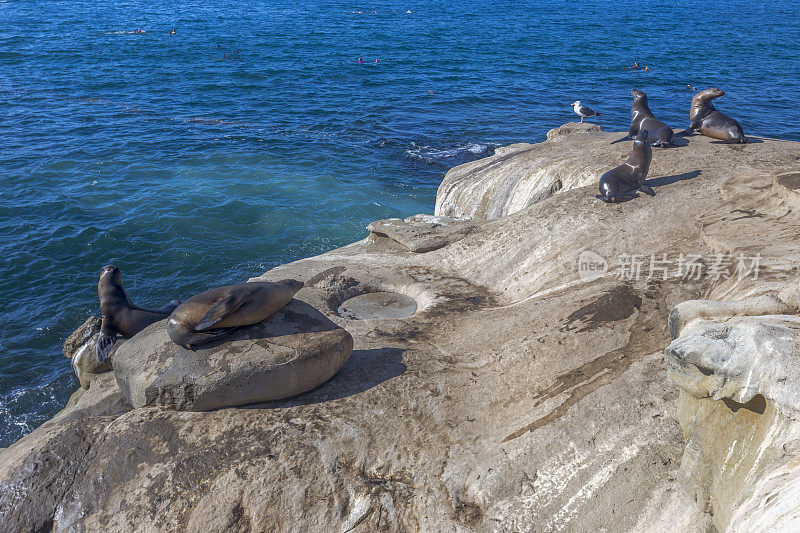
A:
(491, 387)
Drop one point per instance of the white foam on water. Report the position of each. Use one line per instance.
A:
(431, 154)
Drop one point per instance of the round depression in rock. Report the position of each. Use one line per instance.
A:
(377, 305)
(790, 180)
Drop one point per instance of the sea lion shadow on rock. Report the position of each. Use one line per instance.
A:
(364, 370)
(676, 142)
(668, 180)
(621, 200)
(750, 140)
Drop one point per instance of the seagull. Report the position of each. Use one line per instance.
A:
(584, 111)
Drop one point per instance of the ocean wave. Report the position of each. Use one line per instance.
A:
(22, 409)
(449, 156)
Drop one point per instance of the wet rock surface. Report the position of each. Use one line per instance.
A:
(79, 348)
(517, 397)
(377, 305)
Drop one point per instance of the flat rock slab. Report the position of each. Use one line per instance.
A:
(423, 233)
(293, 351)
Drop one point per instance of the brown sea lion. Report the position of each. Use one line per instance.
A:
(659, 134)
(120, 316)
(217, 312)
(626, 179)
(705, 118)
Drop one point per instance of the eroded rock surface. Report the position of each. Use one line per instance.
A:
(79, 348)
(740, 400)
(516, 396)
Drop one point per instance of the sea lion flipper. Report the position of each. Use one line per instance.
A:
(220, 310)
(647, 189)
(191, 340)
(168, 308)
(104, 344)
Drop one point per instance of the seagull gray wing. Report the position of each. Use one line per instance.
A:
(586, 111)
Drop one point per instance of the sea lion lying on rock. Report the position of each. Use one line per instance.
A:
(120, 316)
(218, 312)
(295, 350)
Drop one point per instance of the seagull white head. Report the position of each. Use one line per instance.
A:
(576, 103)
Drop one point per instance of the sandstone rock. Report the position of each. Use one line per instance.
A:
(524, 174)
(740, 401)
(80, 349)
(422, 233)
(571, 128)
(515, 397)
(291, 352)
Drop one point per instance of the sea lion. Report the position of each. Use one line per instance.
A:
(642, 118)
(623, 181)
(705, 118)
(120, 316)
(217, 312)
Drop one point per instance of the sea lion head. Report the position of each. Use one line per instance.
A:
(111, 274)
(638, 95)
(703, 98)
(293, 284)
(110, 289)
(641, 138)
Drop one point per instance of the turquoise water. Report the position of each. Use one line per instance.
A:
(252, 137)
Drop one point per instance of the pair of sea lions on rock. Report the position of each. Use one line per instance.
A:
(703, 117)
(200, 319)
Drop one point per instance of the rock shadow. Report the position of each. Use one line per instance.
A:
(364, 370)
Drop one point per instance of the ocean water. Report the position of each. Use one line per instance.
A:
(253, 137)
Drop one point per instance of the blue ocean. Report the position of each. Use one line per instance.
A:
(198, 144)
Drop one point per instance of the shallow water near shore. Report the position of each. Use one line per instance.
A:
(252, 137)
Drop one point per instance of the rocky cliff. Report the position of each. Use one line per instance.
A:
(508, 370)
